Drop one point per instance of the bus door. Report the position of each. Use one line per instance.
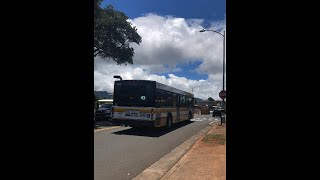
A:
(178, 107)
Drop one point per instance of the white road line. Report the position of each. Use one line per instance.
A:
(106, 128)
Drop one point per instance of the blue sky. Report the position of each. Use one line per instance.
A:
(209, 10)
(188, 70)
(173, 51)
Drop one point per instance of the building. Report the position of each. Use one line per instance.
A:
(103, 95)
(206, 103)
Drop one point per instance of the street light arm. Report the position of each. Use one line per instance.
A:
(224, 57)
(203, 30)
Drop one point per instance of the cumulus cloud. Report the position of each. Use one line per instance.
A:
(170, 41)
(166, 42)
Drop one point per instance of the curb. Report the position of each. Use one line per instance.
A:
(162, 166)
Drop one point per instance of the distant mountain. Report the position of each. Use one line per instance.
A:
(198, 99)
(103, 95)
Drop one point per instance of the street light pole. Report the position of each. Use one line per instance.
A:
(224, 57)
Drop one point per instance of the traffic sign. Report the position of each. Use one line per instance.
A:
(223, 94)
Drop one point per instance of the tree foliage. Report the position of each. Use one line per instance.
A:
(113, 35)
(210, 99)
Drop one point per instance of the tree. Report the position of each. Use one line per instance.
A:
(113, 34)
(210, 99)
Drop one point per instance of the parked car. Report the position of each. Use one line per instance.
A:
(217, 111)
(103, 113)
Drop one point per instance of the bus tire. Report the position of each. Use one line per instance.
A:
(169, 121)
(189, 117)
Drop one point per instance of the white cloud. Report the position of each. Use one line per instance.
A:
(169, 40)
(166, 42)
(105, 70)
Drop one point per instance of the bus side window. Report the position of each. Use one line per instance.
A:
(190, 105)
(169, 99)
(187, 102)
(163, 98)
(158, 98)
(178, 100)
(183, 101)
(174, 100)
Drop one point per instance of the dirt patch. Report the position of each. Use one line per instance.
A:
(207, 158)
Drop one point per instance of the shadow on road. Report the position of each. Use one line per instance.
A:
(151, 132)
(101, 124)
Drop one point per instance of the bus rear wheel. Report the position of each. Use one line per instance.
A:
(190, 116)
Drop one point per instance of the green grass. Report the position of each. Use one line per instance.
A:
(214, 138)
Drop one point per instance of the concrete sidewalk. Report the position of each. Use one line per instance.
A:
(205, 160)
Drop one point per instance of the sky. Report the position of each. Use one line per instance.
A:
(172, 51)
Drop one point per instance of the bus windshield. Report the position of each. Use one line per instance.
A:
(134, 93)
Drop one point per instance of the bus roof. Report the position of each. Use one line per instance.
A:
(164, 87)
(105, 100)
(172, 89)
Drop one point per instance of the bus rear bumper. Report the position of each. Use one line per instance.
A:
(134, 123)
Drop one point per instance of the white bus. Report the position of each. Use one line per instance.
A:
(149, 103)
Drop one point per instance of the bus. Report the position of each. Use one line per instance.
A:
(147, 103)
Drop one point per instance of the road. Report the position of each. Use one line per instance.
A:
(124, 152)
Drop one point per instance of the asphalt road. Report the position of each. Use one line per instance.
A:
(124, 152)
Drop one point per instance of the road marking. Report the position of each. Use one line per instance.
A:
(200, 119)
(106, 128)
